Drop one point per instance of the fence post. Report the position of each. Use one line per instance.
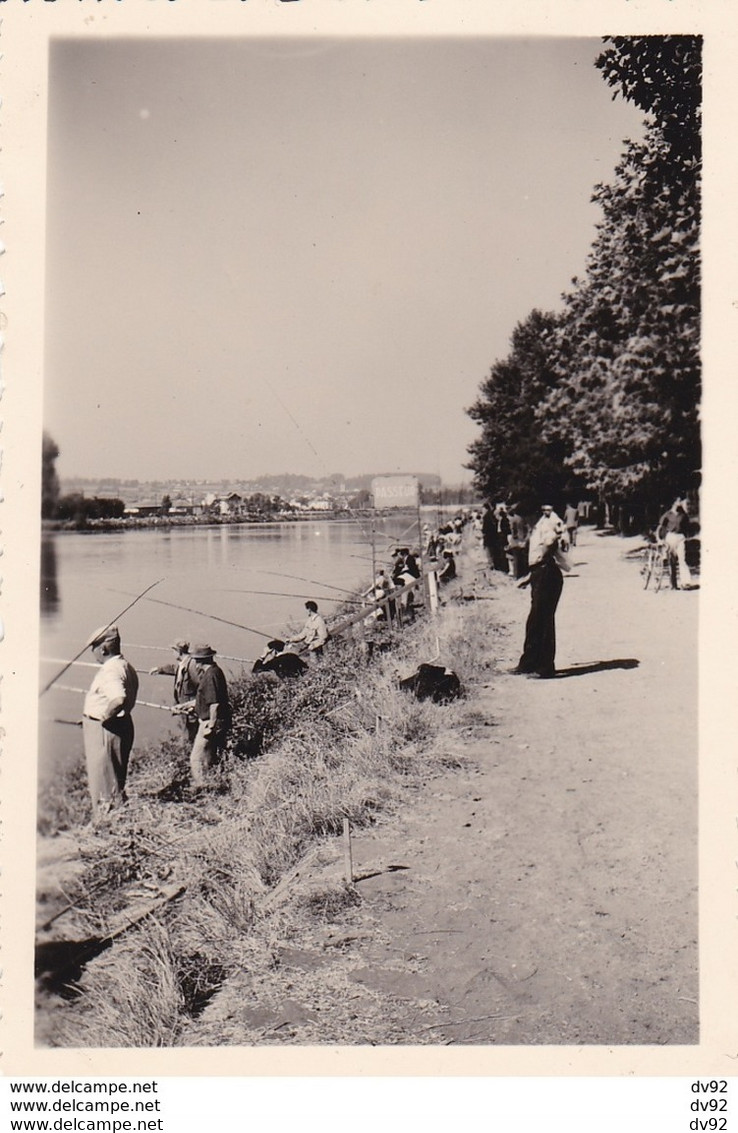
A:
(348, 857)
(432, 591)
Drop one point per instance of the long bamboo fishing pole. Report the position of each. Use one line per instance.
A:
(112, 621)
(284, 594)
(168, 649)
(215, 618)
(312, 581)
(141, 703)
(83, 664)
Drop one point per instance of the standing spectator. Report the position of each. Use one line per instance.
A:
(107, 727)
(411, 561)
(185, 682)
(213, 709)
(500, 537)
(674, 528)
(571, 522)
(517, 543)
(545, 560)
(314, 633)
(406, 601)
(489, 532)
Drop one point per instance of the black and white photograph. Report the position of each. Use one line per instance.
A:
(367, 511)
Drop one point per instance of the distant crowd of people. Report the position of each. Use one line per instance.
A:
(506, 534)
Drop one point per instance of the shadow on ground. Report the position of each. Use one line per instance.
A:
(598, 667)
(59, 964)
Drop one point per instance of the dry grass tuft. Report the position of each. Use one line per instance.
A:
(132, 995)
(329, 902)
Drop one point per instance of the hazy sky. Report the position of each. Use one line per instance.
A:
(304, 256)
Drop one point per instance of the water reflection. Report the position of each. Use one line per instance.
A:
(49, 577)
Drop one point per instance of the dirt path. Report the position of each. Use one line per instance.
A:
(548, 887)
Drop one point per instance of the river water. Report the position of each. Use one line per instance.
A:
(86, 579)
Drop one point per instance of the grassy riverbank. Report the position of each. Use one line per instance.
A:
(342, 742)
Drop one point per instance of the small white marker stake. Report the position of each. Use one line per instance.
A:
(348, 861)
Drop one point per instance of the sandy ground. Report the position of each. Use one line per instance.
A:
(544, 891)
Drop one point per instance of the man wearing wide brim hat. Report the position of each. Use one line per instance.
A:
(185, 682)
(107, 727)
(213, 709)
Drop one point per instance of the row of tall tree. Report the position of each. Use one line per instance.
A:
(602, 398)
(75, 507)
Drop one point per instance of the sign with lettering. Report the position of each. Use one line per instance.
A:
(395, 491)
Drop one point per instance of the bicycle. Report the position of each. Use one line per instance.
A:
(659, 566)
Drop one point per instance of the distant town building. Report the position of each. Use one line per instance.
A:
(143, 510)
(230, 505)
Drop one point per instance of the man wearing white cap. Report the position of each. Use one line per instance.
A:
(107, 727)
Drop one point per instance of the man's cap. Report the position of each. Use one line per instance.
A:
(103, 634)
(547, 507)
(201, 652)
(182, 644)
(312, 606)
(276, 645)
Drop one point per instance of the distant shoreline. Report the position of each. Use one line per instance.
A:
(131, 523)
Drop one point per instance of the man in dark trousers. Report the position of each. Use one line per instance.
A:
(185, 682)
(489, 532)
(213, 709)
(545, 562)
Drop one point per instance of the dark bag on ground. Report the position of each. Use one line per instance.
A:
(433, 682)
(284, 665)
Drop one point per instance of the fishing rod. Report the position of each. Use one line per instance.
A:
(143, 703)
(202, 614)
(86, 664)
(112, 622)
(312, 581)
(308, 442)
(284, 594)
(168, 648)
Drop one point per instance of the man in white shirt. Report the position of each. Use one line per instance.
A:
(547, 532)
(107, 727)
